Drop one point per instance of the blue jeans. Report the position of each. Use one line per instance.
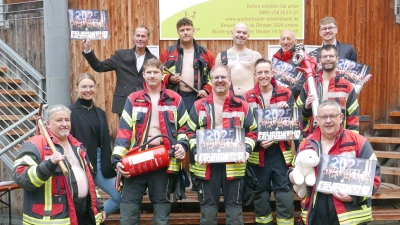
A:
(107, 185)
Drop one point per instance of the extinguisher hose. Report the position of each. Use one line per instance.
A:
(171, 151)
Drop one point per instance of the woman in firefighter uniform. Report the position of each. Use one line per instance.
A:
(271, 159)
(49, 196)
(148, 113)
(220, 110)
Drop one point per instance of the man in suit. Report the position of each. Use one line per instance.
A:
(128, 65)
(328, 31)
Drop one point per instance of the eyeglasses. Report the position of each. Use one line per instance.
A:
(219, 77)
(328, 56)
(327, 28)
(331, 117)
(91, 87)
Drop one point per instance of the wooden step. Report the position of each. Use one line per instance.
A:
(386, 126)
(3, 69)
(20, 104)
(18, 132)
(11, 81)
(18, 92)
(390, 170)
(387, 154)
(14, 117)
(394, 113)
(384, 140)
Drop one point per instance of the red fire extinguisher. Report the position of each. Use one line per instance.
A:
(138, 162)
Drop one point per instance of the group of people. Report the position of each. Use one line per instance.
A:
(216, 93)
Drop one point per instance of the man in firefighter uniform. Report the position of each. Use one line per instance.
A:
(220, 110)
(49, 196)
(270, 159)
(330, 138)
(147, 114)
(286, 53)
(330, 85)
(190, 62)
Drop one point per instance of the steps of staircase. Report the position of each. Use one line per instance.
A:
(384, 140)
(20, 104)
(11, 80)
(394, 113)
(14, 117)
(386, 126)
(18, 132)
(18, 92)
(3, 69)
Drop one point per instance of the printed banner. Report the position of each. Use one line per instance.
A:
(220, 145)
(352, 176)
(215, 19)
(279, 124)
(354, 72)
(285, 73)
(88, 24)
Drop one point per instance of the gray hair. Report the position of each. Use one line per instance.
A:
(330, 103)
(55, 108)
(223, 66)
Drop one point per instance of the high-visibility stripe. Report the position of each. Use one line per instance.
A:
(281, 221)
(48, 200)
(353, 107)
(253, 105)
(356, 216)
(127, 118)
(253, 126)
(27, 159)
(299, 102)
(202, 113)
(254, 158)
(250, 142)
(34, 178)
(191, 124)
(339, 94)
(31, 220)
(183, 119)
(98, 218)
(119, 150)
(232, 114)
(181, 136)
(140, 109)
(264, 219)
(192, 143)
(167, 107)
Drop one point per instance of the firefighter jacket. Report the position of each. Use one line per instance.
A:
(48, 194)
(347, 144)
(256, 101)
(135, 121)
(236, 113)
(340, 90)
(203, 62)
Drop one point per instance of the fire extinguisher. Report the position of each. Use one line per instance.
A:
(138, 162)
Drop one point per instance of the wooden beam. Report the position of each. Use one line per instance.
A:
(384, 140)
(18, 92)
(11, 81)
(387, 154)
(13, 117)
(386, 126)
(3, 69)
(394, 113)
(20, 104)
(390, 170)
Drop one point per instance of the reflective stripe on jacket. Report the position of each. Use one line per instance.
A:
(256, 101)
(235, 113)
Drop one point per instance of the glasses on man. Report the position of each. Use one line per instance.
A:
(327, 28)
(331, 117)
(328, 56)
(91, 87)
(220, 77)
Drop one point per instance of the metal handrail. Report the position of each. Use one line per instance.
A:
(9, 128)
(18, 140)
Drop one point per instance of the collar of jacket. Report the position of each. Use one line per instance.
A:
(231, 101)
(319, 76)
(285, 56)
(146, 50)
(180, 49)
(70, 138)
(257, 90)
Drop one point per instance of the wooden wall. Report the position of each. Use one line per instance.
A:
(368, 25)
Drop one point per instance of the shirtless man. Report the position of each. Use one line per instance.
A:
(240, 60)
(148, 113)
(190, 62)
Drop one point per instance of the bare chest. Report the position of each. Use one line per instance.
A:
(218, 115)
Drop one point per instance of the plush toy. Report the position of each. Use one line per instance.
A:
(303, 172)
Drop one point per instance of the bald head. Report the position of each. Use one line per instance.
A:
(240, 34)
(287, 39)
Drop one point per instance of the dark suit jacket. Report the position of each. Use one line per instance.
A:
(345, 51)
(82, 130)
(128, 78)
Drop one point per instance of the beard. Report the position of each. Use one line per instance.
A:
(329, 69)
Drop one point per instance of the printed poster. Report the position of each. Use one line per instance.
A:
(88, 24)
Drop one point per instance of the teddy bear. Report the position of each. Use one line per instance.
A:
(303, 172)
